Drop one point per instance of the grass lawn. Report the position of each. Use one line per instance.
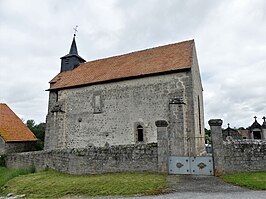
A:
(7, 174)
(252, 180)
(52, 184)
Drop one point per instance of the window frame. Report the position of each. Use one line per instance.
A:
(137, 127)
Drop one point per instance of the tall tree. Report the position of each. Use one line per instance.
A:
(39, 131)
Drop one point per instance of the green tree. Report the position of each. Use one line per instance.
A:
(207, 135)
(242, 128)
(30, 124)
(39, 131)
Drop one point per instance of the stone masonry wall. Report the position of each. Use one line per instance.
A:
(244, 155)
(235, 156)
(197, 144)
(2, 145)
(92, 160)
(16, 147)
(80, 122)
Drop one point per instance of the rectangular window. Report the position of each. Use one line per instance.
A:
(97, 103)
(199, 114)
(56, 96)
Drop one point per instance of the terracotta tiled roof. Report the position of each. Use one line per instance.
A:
(12, 128)
(167, 58)
(243, 132)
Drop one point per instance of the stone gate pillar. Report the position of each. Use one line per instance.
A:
(177, 135)
(217, 146)
(162, 141)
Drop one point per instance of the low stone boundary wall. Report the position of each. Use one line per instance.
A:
(244, 155)
(93, 160)
(236, 156)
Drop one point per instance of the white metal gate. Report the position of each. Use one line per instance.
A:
(189, 162)
(191, 165)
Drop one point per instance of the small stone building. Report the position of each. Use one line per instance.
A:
(258, 131)
(116, 100)
(230, 133)
(244, 134)
(15, 136)
(255, 132)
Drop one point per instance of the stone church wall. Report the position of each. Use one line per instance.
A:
(110, 113)
(92, 160)
(198, 110)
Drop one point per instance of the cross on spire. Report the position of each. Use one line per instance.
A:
(228, 125)
(255, 118)
(75, 30)
(264, 118)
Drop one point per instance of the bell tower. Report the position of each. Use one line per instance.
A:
(72, 59)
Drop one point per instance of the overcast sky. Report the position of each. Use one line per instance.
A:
(230, 37)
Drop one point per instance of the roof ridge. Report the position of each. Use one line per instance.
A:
(137, 51)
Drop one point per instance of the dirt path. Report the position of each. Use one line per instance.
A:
(206, 184)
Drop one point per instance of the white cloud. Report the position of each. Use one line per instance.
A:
(230, 40)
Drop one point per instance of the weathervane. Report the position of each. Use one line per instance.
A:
(75, 30)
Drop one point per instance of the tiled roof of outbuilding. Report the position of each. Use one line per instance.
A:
(166, 58)
(243, 132)
(12, 129)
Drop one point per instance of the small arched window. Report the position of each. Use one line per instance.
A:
(140, 133)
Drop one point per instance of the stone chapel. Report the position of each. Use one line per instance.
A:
(257, 131)
(116, 100)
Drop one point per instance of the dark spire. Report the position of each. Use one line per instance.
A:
(264, 122)
(71, 60)
(255, 124)
(73, 48)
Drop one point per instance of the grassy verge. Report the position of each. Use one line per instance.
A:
(251, 180)
(8, 174)
(51, 184)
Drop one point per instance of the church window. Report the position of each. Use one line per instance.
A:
(56, 96)
(199, 114)
(140, 133)
(97, 103)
